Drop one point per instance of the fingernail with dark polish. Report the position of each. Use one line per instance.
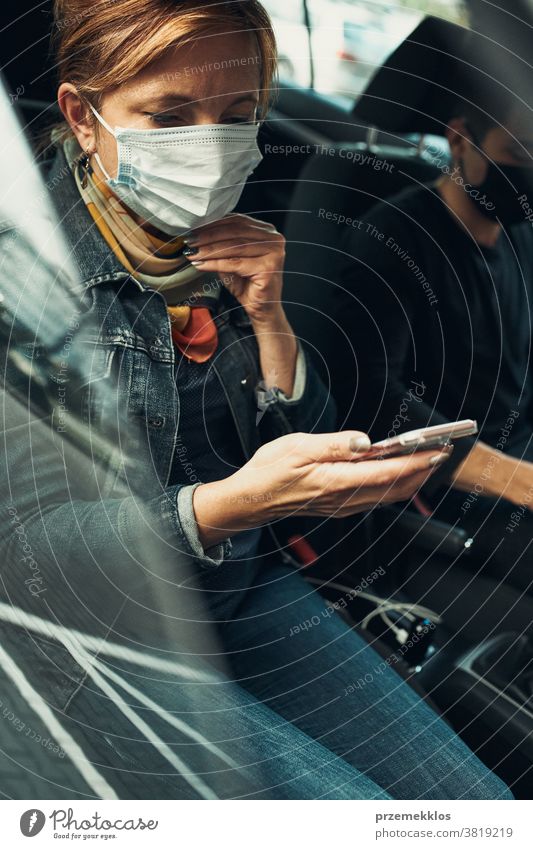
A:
(188, 251)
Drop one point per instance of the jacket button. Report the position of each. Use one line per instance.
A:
(156, 421)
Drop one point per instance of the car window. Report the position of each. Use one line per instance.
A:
(348, 39)
(292, 36)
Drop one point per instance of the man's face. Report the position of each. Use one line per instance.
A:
(511, 144)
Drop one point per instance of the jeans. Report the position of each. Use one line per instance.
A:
(329, 683)
(312, 713)
(150, 729)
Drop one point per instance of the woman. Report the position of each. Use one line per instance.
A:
(162, 102)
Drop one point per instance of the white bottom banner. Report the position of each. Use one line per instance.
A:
(256, 824)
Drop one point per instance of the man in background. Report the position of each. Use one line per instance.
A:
(439, 299)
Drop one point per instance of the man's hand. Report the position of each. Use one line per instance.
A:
(491, 473)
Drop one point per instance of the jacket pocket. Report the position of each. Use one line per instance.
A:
(99, 363)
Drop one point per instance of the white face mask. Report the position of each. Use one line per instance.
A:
(182, 177)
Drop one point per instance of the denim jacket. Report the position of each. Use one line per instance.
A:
(84, 529)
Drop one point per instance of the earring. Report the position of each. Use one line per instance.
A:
(84, 164)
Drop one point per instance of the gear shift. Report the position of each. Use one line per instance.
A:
(509, 666)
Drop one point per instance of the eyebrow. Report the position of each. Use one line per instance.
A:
(181, 100)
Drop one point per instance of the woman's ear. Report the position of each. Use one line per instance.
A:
(77, 115)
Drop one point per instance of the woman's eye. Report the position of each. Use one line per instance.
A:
(164, 118)
(239, 119)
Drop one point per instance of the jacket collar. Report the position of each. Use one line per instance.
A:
(95, 261)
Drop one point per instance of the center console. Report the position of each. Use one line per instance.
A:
(486, 693)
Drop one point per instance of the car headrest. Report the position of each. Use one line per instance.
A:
(334, 191)
(438, 65)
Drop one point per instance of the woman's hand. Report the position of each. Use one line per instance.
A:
(311, 474)
(250, 253)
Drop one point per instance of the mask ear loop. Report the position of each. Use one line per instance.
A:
(477, 145)
(101, 120)
(109, 129)
(476, 140)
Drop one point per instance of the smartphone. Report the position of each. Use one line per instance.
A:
(424, 438)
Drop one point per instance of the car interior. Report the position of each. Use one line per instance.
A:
(326, 151)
